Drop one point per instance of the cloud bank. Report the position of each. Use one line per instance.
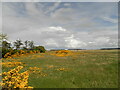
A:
(62, 24)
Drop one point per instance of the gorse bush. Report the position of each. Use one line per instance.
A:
(10, 53)
(11, 64)
(14, 79)
(4, 51)
(26, 47)
(40, 48)
(63, 53)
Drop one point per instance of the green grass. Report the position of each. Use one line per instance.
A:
(87, 69)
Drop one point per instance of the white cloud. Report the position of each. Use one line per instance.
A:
(31, 9)
(65, 27)
(102, 40)
(60, 1)
(51, 42)
(63, 15)
(56, 29)
(74, 43)
(53, 7)
(110, 19)
(67, 4)
(91, 42)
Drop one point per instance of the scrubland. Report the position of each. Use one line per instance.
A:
(62, 69)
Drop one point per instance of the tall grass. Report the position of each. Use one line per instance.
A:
(81, 69)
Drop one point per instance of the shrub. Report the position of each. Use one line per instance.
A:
(40, 48)
(14, 79)
(14, 52)
(4, 51)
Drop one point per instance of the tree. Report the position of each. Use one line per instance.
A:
(40, 48)
(5, 44)
(26, 44)
(2, 37)
(31, 44)
(18, 43)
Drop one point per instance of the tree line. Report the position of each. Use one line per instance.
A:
(18, 44)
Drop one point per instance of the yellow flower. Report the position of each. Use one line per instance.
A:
(15, 79)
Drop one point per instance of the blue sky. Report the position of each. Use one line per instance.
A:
(62, 24)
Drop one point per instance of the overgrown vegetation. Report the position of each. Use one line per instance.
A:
(56, 69)
(26, 46)
(71, 69)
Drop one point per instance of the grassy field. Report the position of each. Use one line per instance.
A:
(80, 69)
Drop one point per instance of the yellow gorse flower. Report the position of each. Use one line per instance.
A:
(20, 53)
(34, 69)
(63, 53)
(62, 69)
(11, 64)
(14, 79)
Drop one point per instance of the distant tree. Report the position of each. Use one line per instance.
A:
(3, 36)
(26, 44)
(40, 48)
(31, 44)
(18, 43)
(5, 44)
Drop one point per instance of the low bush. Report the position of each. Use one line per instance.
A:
(40, 48)
(9, 52)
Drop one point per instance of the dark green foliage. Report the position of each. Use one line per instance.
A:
(40, 48)
(88, 69)
(31, 44)
(24, 48)
(5, 44)
(4, 51)
(11, 51)
(0, 54)
(18, 43)
(3, 36)
(28, 46)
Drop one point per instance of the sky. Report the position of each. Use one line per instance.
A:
(60, 0)
(85, 25)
